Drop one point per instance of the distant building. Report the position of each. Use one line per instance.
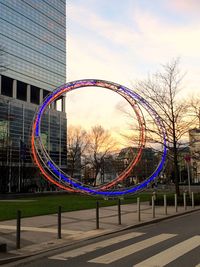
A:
(143, 168)
(33, 44)
(183, 154)
(194, 138)
(108, 170)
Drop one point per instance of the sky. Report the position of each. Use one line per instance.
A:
(125, 41)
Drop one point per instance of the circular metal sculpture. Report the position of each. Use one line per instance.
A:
(56, 176)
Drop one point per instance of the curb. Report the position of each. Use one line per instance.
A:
(21, 257)
(13, 259)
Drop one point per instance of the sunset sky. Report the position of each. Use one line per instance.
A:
(124, 41)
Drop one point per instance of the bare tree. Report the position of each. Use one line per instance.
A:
(162, 90)
(101, 144)
(194, 103)
(77, 143)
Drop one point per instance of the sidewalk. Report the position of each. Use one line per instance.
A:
(39, 234)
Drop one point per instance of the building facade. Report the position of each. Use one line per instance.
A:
(194, 138)
(33, 63)
(33, 35)
(143, 169)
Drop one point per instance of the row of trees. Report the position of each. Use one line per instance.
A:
(92, 147)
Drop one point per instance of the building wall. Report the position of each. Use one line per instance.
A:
(33, 63)
(17, 170)
(194, 137)
(33, 35)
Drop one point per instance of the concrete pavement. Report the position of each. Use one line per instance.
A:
(39, 234)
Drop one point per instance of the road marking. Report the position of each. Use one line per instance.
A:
(39, 229)
(170, 254)
(92, 247)
(198, 265)
(128, 250)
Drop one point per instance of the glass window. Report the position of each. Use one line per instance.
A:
(3, 130)
(38, 31)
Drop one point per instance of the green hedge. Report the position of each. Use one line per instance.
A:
(159, 200)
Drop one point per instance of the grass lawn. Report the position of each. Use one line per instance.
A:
(49, 204)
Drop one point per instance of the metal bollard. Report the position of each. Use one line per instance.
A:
(153, 207)
(59, 222)
(193, 200)
(119, 211)
(184, 201)
(175, 202)
(97, 215)
(18, 230)
(165, 204)
(138, 209)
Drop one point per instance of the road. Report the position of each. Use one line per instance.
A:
(172, 243)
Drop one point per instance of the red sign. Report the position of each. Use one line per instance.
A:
(187, 158)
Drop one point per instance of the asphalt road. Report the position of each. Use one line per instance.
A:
(174, 243)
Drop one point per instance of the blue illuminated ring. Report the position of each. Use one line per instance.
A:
(41, 157)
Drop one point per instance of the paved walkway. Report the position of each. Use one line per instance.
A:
(39, 233)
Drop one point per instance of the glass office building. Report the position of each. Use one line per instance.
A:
(33, 35)
(33, 62)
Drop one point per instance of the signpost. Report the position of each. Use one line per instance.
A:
(188, 159)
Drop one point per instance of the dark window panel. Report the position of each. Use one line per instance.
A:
(21, 91)
(6, 86)
(45, 93)
(35, 95)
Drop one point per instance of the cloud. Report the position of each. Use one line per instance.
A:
(96, 60)
(152, 40)
(185, 7)
(123, 51)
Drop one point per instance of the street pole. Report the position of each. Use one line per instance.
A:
(153, 207)
(175, 202)
(9, 173)
(59, 222)
(193, 200)
(19, 162)
(184, 201)
(119, 211)
(97, 215)
(188, 171)
(18, 230)
(138, 209)
(188, 159)
(165, 204)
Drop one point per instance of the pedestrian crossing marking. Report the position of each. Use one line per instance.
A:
(92, 247)
(163, 258)
(128, 250)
